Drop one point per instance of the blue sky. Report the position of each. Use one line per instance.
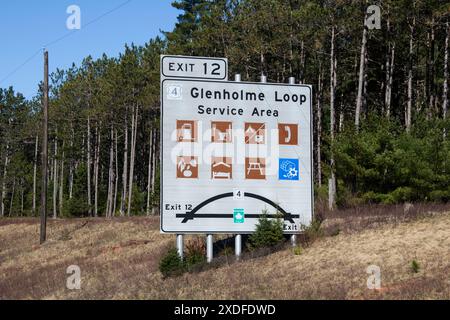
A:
(26, 26)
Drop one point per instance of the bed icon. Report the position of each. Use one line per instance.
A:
(221, 168)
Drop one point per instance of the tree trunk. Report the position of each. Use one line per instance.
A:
(36, 150)
(116, 175)
(155, 156)
(134, 125)
(366, 84)
(109, 204)
(5, 173)
(125, 168)
(302, 62)
(319, 130)
(390, 61)
(408, 113)
(431, 79)
(362, 61)
(22, 191)
(88, 139)
(51, 162)
(55, 179)
(262, 61)
(149, 176)
(61, 185)
(333, 83)
(96, 171)
(12, 198)
(445, 90)
(71, 165)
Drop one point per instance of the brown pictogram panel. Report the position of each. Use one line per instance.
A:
(288, 134)
(255, 168)
(187, 167)
(255, 133)
(221, 131)
(187, 131)
(221, 168)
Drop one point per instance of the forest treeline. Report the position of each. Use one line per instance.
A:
(380, 105)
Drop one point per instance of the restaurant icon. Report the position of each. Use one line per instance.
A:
(255, 133)
(187, 167)
(221, 131)
(288, 134)
(186, 131)
(221, 168)
(255, 168)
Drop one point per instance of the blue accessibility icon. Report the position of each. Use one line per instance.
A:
(289, 170)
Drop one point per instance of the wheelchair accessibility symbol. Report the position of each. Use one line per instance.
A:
(289, 170)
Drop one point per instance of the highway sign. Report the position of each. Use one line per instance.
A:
(194, 68)
(233, 152)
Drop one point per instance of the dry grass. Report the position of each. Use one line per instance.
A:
(119, 260)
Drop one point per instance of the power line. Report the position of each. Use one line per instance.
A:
(62, 38)
(20, 66)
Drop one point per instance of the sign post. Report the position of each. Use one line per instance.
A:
(293, 237)
(209, 248)
(238, 237)
(180, 245)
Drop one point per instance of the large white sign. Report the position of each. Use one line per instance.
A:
(194, 67)
(233, 152)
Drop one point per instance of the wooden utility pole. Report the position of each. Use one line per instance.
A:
(44, 151)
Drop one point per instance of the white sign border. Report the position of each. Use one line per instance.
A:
(161, 187)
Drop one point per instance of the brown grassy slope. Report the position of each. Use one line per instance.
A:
(119, 260)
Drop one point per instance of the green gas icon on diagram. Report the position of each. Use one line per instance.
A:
(238, 215)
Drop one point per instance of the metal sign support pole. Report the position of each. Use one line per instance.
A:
(293, 237)
(238, 237)
(209, 248)
(180, 245)
(238, 245)
(263, 78)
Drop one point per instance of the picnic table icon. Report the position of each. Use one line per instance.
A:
(255, 166)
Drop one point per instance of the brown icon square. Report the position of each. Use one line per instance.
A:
(187, 167)
(255, 168)
(186, 131)
(221, 168)
(288, 134)
(221, 131)
(255, 133)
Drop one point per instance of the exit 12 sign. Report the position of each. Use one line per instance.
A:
(178, 67)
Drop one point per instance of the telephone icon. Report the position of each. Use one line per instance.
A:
(288, 134)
